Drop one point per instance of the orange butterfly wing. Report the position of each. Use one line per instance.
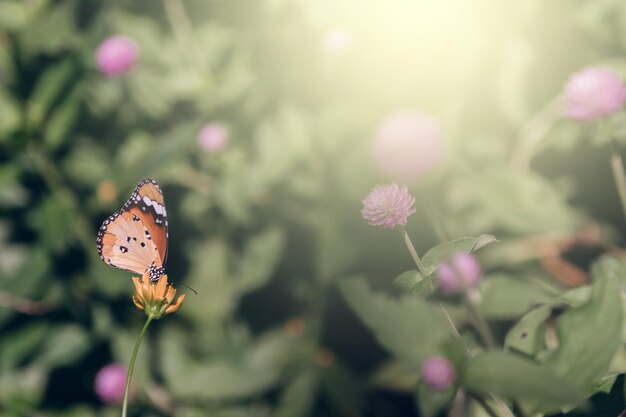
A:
(135, 238)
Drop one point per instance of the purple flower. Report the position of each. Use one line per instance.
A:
(438, 373)
(213, 137)
(116, 55)
(110, 383)
(407, 146)
(463, 271)
(594, 93)
(388, 206)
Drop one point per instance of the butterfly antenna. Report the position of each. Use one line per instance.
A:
(187, 286)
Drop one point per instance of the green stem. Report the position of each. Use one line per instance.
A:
(442, 308)
(131, 367)
(453, 329)
(489, 340)
(414, 255)
(480, 324)
(501, 406)
(617, 166)
(486, 406)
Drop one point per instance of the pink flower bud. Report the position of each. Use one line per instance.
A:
(594, 93)
(116, 55)
(407, 146)
(110, 383)
(438, 373)
(213, 137)
(388, 206)
(462, 272)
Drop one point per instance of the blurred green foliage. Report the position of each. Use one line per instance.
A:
(297, 312)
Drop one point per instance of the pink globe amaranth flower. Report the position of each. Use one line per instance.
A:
(110, 383)
(407, 146)
(116, 55)
(388, 206)
(213, 137)
(462, 272)
(594, 93)
(438, 373)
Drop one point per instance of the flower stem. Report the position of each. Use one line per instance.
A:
(414, 255)
(131, 367)
(486, 406)
(442, 308)
(501, 406)
(617, 166)
(453, 329)
(480, 324)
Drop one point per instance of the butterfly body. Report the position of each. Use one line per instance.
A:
(135, 238)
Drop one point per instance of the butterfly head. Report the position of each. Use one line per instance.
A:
(155, 272)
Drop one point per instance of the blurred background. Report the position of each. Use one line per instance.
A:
(266, 123)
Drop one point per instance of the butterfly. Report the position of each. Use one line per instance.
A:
(135, 237)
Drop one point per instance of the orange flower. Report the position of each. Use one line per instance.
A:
(156, 298)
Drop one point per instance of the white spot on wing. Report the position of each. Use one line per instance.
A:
(158, 208)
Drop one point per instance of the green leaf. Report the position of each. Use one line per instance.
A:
(66, 345)
(258, 262)
(516, 378)
(413, 282)
(85, 164)
(210, 276)
(109, 281)
(298, 396)
(22, 389)
(48, 88)
(505, 297)
(442, 253)
(590, 335)
(28, 280)
(227, 381)
(10, 111)
(12, 193)
(618, 267)
(20, 343)
(52, 30)
(54, 222)
(396, 375)
(409, 327)
(16, 13)
(257, 369)
(63, 118)
(341, 389)
(528, 334)
(605, 384)
(79, 411)
(431, 402)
